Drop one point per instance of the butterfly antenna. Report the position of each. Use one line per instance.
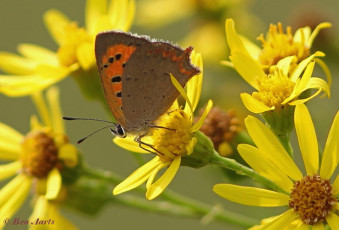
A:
(86, 119)
(81, 140)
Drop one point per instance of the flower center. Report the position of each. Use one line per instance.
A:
(220, 126)
(175, 137)
(312, 198)
(74, 37)
(39, 154)
(273, 89)
(280, 45)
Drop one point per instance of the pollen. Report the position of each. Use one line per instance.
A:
(74, 36)
(312, 198)
(173, 137)
(39, 154)
(279, 45)
(273, 89)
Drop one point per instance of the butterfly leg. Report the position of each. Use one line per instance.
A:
(161, 127)
(140, 142)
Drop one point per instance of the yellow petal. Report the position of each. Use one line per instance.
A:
(53, 185)
(233, 39)
(69, 154)
(285, 64)
(301, 83)
(15, 199)
(85, 55)
(9, 189)
(154, 174)
(251, 196)
(201, 120)
(264, 167)
(130, 15)
(326, 70)
(55, 110)
(269, 145)
(121, 14)
(138, 177)
(16, 86)
(130, 144)
(38, 53)
(318, 83)
(333, 221)
(159, 186)
(250, 47)
(9, 135)
(299, 225)
(40, 208)
(336, 185)
(94, 10)
(150, 15)
(302, 65)
(182, 92)
(317, 226)
(14, 64)
(247, 67)
(284, 219)
(330, 157)
(9, 151)
(302, 35)
(41, 105)
(10, 169)
(56, 23)
(307, 139)
(253, 105)
(316, 31)
(55, 73)
(195, 83)
(313, 83)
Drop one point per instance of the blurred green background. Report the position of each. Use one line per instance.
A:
(21, 22)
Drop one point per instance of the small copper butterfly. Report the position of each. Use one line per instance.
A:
(135, 76)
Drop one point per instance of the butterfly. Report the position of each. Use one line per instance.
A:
(135, 76)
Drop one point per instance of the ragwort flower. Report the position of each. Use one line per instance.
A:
(46, 213)
(312, 199)
(170, 145)
(283, 79)
(37, 158)
(275, 47)
(39, 67)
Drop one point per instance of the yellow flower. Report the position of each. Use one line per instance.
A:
(281, 80)
(207, 16)
(312, 199)
(276, 47)
(170, 145)
(39, 67)
(46, 215)
(36, 158)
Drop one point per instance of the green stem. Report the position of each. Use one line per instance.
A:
(243, 170)
(285, 141)
(183, 205)
(209, 211)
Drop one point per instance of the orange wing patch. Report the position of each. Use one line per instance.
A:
(113, 63)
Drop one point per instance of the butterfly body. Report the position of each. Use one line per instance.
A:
(135, 76)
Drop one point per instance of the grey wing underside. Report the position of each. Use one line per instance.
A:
(147, 84)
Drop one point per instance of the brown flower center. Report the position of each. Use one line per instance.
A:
(39, 154)
(220, 126)
(312, 198)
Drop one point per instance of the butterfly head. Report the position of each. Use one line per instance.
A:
(118, 130)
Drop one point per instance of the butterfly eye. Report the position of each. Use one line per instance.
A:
(119, 131)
